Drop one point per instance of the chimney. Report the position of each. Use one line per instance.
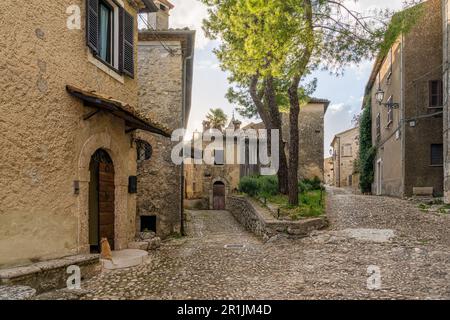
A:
(160, 20)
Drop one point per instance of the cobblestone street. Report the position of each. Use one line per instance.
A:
(330, 264)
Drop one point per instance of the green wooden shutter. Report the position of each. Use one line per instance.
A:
(92, 25)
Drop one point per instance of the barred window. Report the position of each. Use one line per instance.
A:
(144, 150)
(437, 154)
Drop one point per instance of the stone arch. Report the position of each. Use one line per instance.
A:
(93, 143)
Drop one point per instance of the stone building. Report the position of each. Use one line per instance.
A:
(69, 110)
(165, 60)
(446, 101)
(208, 185)
(328, 168)
(406, 99)
(345, 147)
(311, 138)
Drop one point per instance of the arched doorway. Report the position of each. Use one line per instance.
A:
(219, 195)
(101, 200)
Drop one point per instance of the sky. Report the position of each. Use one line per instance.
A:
(210, 82)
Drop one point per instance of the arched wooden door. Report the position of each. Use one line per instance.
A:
(219, 196)
(101, 200)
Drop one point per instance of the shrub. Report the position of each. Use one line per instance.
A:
(267, 186)
(249, 185)
(367, 152)
(306, 185)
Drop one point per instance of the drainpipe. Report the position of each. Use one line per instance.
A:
(183, 119)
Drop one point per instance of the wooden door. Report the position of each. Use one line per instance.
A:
(219, 196)
(106, 202)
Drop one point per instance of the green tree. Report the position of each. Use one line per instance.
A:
(366, 150)
(270, 46)
(217, 118)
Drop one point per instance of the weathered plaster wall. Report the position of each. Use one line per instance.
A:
(43, 134)
(160, 97)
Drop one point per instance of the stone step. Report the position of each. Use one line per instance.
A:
(125, 259)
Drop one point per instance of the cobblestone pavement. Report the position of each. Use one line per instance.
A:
(329, 264)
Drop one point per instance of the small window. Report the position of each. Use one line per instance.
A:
(378, 124)
(436, 96)
(347, 150)
(437, 155)
(219, 157)
(105, 32)
(144, 150)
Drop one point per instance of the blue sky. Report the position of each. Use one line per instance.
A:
(210, 82)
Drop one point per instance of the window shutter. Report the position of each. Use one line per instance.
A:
(92, 25)
(128, 44)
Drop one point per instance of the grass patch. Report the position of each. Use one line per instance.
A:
(311, 197)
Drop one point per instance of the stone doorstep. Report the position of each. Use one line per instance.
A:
(125, 259)
(18, 272)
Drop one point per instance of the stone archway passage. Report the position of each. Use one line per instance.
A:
(101, 200)
(219, 196)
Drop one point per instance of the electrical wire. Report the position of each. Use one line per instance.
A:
(149, 27)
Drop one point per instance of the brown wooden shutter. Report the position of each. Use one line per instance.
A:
(128, 44)
(92, 25)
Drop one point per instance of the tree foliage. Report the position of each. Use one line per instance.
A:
(217, 118)
(366, 150)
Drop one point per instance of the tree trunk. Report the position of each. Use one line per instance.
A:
(276, 124)
(294, 113)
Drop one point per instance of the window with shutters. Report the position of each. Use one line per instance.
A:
(437, 154)
(110, 35)
(436, 96)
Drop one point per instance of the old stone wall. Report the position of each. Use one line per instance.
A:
(160, 97)
(261, 222)
(200, 178)
(44, 134)
(311, 140)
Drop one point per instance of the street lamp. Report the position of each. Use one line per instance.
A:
(379, 96)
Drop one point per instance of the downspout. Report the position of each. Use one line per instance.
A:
(402, 118)
(183, 119)
(445, 117)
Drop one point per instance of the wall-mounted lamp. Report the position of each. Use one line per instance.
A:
(379, 96)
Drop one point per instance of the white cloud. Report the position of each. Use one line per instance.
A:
(190, 13)
(336, 108)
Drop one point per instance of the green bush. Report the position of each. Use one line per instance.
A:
(267, 186)
(263, 186)
(306, 185)
(249, 185)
